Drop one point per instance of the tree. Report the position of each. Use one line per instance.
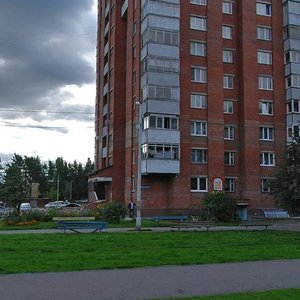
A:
(286, 184)
(16, 187)
(219, 206)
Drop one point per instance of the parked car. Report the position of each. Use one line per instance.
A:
(57, 204)
(25, 207)
(3, 211)
(72, 207)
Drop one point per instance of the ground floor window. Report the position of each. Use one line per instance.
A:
(199, 184)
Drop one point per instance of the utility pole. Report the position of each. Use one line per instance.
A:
(139, 172)
(57, 190)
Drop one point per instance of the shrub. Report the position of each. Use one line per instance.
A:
(219, 206)
(113, 212)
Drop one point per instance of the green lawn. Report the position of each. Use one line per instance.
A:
(291, 294)
(68, 252)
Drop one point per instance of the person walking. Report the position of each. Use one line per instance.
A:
(131, 206)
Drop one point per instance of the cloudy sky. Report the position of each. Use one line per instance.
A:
(47, 77)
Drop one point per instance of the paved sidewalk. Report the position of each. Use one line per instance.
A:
(149, 283)
(292, 226)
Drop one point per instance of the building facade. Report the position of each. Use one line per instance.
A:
(207, 82)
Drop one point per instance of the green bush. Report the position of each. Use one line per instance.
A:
(113, 212)
(219, 206)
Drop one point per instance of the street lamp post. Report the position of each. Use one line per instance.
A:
(139, 172)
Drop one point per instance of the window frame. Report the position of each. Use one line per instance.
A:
(229, 132)
(198, 183)
(230, 184)
(263, 9)
(265, 82)
(228, 81)
(198, 45)
(203, 128)
(229, 158)
(202, 153)
(264, 33)
(202, 100)
(198, 74)
(196, 20)
(267, 159)
(227, 7)
(228, 109)
(266, 133)
(227, 32)
(264, 57)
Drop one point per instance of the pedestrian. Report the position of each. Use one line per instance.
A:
(131, 207)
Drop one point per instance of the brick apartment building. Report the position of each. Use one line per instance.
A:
(218, 87)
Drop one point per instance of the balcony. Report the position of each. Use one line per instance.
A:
(105, 70)
(160, 136)
(106, 11)
(160, 166)
(105, 89)
(124, 10)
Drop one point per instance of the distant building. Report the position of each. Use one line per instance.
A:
(213, 79)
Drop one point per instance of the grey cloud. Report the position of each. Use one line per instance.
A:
(42, 48)
(43, 127)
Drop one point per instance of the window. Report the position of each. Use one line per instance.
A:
(154, 35)
(134, 29)
(229, 158)
(265, 82)
(160, 64)
(267, 159)
(227, 32)
(199, 156)
(198, 23)
(198, 48)
(265, 107)
(264, 33)
(293, 106)
(198, 2)
(198, 74)
(160, 92)
(294, 131)
(132, 184)
(160, 151)
(228, 107)
(229, 185)
(264, 57)
(198, 101)
(263, 9)
(160, 8)
(228, 56)
(293, 81)
(160, 122)
(199, 184)
(227, 7)
(266, 133)
(292, 56)
(265, 185)
(228, 81)
(199, 128)
(228, 132)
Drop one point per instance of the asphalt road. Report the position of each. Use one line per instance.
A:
(149, 283)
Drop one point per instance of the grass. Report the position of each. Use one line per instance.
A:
(69, 252)
(289, 294)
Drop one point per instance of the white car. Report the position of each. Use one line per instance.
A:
(25, 207)
(56, 204)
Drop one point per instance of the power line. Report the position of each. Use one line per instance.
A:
(46, 111)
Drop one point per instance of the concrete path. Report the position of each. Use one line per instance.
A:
(149, 283)
(288, 226)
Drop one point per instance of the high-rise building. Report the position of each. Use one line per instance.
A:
(208, 83)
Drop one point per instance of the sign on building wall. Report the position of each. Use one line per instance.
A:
(218, 184)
